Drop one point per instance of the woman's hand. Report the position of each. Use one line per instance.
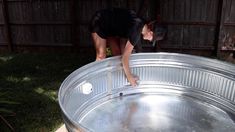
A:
(133, 80)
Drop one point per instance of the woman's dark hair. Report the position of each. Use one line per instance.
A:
(159, 30)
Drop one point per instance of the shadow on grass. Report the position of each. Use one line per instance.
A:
(33, 80)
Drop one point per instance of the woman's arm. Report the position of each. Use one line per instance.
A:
(125, 62)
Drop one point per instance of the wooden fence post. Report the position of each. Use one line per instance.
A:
(73, 23)
(7, 25)
(218, 28)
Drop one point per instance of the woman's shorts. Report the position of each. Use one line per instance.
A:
(97, 25)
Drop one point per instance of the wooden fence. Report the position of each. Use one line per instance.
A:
(207, 25)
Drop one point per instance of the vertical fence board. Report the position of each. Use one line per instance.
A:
(1, 14)
(133, 4)
(232, 12)
(2, 38)
(7, 25)
(186, 36)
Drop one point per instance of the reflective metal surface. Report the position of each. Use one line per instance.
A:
(152, 113)
(176, 93)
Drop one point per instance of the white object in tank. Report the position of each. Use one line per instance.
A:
(86, 88)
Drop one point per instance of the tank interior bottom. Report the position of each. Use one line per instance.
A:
(157, 113)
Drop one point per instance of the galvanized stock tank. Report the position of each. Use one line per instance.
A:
(176, 93)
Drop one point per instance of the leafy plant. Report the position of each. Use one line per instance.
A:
(6, 112)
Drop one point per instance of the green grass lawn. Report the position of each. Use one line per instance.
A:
(29, 83)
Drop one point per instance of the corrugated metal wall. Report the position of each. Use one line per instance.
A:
(192, 24)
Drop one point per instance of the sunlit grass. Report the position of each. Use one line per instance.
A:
(26, 79)
(6, 58)
(13, 79)
(39, 90)
(17, 79)
(51, 94)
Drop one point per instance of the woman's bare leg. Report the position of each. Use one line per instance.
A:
(100, 46)
(114, 44)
